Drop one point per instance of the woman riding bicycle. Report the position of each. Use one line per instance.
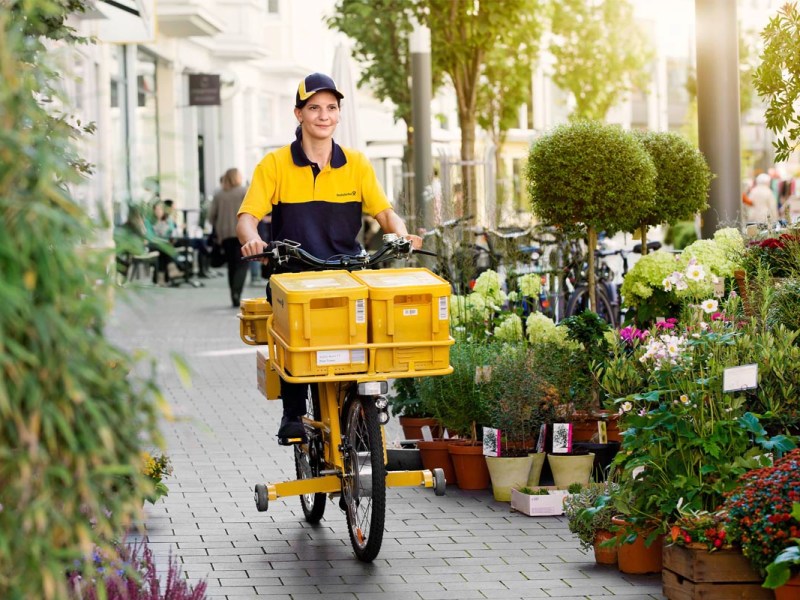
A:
(316, 192)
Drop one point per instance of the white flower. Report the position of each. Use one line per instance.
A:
(703, 325)
(684, 399)
(709, 306)
(695, 272)
(696, 335)
(667, 283)
(627, 406)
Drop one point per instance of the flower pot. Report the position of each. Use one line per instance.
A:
(536, 468)
(469, 465)
(583, 430)
(570, 468)
(607, 555)
(506, 472)
(436, 456)
(789, 590)
(412, 427)
(635, 558)
(403, 459)
(694, 572)
(603, 455)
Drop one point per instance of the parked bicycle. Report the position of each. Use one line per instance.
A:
(344, 454)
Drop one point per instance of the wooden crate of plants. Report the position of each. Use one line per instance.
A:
(696, 574)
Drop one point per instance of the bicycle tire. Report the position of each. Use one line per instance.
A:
(308, 463)
(579, 302)
(364, 478)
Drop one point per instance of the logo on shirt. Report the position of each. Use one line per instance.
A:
(345, 194)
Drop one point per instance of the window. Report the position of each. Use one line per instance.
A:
(273, 7)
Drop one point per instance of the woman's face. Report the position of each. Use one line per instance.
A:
(320, 116)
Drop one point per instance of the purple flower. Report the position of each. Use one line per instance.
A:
(665, 324)
(631, 335)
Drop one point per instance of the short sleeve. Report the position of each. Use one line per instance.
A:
(372, 195)
(258, 200)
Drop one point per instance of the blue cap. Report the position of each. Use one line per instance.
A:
(310, 85)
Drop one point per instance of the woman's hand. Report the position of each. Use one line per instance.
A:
(254, 246)
(416, 241)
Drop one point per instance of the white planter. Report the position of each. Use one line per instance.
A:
(536, 506)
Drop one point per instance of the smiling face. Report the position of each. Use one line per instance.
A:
(320, 116)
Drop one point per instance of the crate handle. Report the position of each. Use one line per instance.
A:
(307, 320)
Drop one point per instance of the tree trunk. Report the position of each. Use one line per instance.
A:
(467, 123)
(592, 242)
(643, 233)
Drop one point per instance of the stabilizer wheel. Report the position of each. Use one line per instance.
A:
(439, 482)
(261, 497)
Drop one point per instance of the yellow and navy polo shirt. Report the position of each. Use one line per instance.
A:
(320, 209)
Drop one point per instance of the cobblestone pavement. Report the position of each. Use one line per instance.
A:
(463, 545)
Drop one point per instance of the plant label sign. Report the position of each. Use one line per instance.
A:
(744, 377)
(491, 441)
(426, 433)
(562, 438)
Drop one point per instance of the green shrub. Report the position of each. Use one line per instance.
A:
(73, 418)
(785, 307)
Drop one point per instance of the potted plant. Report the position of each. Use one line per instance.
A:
(405, 404)
(589, 514)
(783, 573)
(760, 511)
(538, 501)
(458, 402)
(591, 173)
(512, 411)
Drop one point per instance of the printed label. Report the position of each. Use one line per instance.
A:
(443, 308)
(333, 357)
(358, 356)
(410, 312)
(324, 282)
(361, 311)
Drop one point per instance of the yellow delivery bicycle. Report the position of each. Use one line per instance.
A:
(347, 329)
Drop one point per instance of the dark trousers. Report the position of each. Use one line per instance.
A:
(237, 268)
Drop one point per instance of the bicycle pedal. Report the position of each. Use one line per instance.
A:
(284, 441)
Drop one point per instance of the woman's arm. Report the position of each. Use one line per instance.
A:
(391, 222)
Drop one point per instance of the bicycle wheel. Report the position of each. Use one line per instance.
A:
(364, 480)
(579, 302)
(308, 463)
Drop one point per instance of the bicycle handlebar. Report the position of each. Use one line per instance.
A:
(393, 247)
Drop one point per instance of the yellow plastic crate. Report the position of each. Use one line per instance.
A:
(268, 381)
(407, 306)
(253, 320)
(325, 308)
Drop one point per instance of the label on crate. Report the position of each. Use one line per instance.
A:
(443, 308)
(322, 282)
(358, 356)
(410, 312)
(361, 311)
(333, 357)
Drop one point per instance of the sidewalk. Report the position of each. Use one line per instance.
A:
(462, 546)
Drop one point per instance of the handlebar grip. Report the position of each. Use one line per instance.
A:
(425, 252)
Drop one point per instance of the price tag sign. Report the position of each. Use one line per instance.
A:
(735, 379)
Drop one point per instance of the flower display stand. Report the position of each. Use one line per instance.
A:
(694, 573)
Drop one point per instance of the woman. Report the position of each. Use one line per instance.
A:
(222, 216)
(316, 192)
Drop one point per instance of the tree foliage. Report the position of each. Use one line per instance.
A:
(379, 30)
(73, 420)
(777, 79)
(682, 180)
(600, 53)
(591, 173)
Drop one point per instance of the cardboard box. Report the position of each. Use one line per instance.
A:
(538, 506)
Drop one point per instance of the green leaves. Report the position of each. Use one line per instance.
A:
(777, 79)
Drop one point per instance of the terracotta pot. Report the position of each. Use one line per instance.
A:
(412, 427)
(435, 455)
(583, 431)
(469, 465)
(604, 556)
(507, 473)
(636, 558)
(789, 590)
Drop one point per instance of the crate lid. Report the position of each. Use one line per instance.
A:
(316, 281)
(400, 278)
(255, 306)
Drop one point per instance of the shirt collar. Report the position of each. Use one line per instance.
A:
(338, 158)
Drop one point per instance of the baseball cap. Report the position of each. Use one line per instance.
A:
(311, 84)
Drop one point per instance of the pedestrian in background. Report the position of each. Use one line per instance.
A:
(222, 216)
(763, 205)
